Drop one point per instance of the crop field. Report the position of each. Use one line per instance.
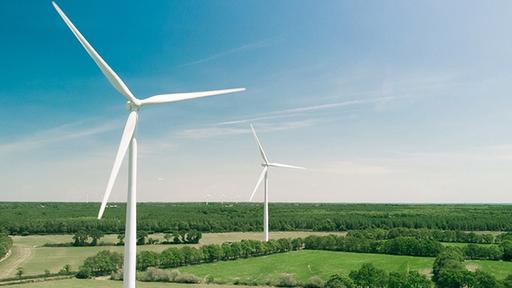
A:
(28, 253)
(305, 264)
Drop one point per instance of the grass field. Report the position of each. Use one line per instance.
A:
(77, 283)
(28, 253)
(305, 264)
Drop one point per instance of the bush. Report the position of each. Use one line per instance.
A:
(339, 281)
(187, 278)
(314, 282)
(286, 280)
(158, 275)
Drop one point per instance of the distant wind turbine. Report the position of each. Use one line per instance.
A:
(129, 142)
(264, 175)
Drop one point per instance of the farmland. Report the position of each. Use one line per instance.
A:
(394, 238)
(29, 253)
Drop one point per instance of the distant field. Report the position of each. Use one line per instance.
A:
(76, 283)
(29, 254)
(305, 264)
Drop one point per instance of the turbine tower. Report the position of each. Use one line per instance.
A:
(129, 142)
(264, 175)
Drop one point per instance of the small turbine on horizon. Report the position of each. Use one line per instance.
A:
(264, 175)
(129, 142)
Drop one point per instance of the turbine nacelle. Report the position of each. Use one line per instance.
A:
(131, 106)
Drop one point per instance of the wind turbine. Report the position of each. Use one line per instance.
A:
(129, 142)
(264, 175)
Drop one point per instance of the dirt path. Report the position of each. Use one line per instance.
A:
(19, 255)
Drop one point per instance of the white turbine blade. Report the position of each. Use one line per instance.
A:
(285, 166)
(175, 97)
(107, 71)
(129, 129)
(262, 175)
(263, 155)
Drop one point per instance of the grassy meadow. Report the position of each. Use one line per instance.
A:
(306, 263)
(35, 259)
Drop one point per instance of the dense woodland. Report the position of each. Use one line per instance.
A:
(58, 218)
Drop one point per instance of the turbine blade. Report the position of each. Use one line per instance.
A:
(175, 97)
(263, 155)
(129, 129)
(107, 71)
(262, 175)
(285, 166)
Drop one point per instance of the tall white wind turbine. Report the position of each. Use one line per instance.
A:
(264, 175)
(129, 142)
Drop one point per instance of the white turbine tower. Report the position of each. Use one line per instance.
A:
(264, 175)
(128, 142)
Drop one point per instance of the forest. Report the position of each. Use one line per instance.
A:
(64, 218)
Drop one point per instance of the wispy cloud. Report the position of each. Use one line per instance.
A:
(245, 47)
(299, 110)
(65, 132)
(215, 131)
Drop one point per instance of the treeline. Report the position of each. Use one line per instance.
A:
(396, 246)
(91, 238)
(434, 234)
(106, 262)
(5, 244)
(64, 218)
(406, 246)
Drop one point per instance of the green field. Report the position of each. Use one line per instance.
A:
(77, 283)
(28, 253)
(305, 264)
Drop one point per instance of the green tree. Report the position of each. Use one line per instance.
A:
(95, 235)
(485, 280)
(146, 259)
(141, 237)
(101, 264)
(450, 258)
(120, 239)
(507, 250)
(369, 276)
(80, 238)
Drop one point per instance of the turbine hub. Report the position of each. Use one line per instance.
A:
(130, 106)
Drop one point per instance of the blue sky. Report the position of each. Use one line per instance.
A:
(398, 101)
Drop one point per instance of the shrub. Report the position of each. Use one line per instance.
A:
(286, 280)
(187, 278)
(314, 282)
(339, 281)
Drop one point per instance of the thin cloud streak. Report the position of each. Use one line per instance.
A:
(249, 46)
(65, 132)
(216, 131)
(293, 111)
